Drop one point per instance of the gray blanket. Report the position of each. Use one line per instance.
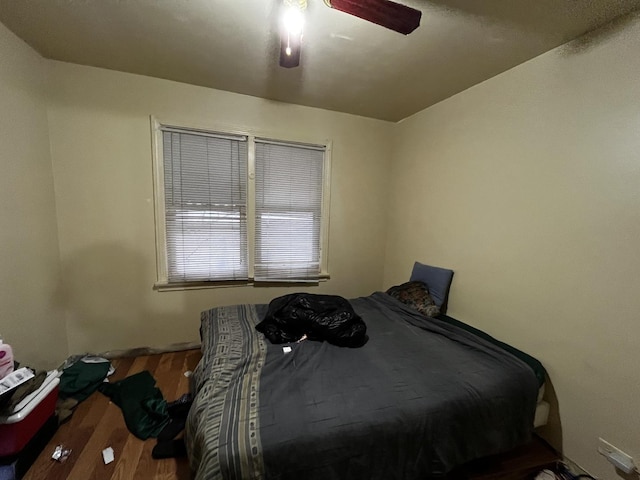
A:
(420, 398)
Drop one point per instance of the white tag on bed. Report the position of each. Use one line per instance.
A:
(286, 349)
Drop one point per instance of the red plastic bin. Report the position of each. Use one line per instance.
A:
(29, 416)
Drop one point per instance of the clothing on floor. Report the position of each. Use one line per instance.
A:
(82, 379)
(64, 409)
(143, 406)
(167, 447)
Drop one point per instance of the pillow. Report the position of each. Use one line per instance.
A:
(438, 281)
(416, 295)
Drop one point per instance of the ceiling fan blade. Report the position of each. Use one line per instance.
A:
(394, 16)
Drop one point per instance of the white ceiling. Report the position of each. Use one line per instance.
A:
(347, 64)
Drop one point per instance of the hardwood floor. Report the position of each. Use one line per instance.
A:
(97, 424)
(520, 464)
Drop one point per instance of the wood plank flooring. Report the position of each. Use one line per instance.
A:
(97, 424)
(520, 464)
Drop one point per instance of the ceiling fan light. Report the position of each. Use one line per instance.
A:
(289, 54)
(291, 26)
(293, 20)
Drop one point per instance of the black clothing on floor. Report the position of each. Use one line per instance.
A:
(143, 406)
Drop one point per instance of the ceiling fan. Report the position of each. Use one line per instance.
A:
(385, 13)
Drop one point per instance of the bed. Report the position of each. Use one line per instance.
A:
(421, 397)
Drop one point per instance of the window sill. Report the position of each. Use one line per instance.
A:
(169, 287)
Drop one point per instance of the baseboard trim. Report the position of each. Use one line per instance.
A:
(140, 351)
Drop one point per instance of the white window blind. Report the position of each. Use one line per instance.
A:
(205, 188)
(288, 189)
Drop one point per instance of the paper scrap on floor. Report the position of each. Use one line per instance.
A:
(107, 455)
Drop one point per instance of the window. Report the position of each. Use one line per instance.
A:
(238, 208)
(205, 203)
(288, 210)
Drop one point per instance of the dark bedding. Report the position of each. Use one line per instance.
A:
(534, 363)
(421, 397)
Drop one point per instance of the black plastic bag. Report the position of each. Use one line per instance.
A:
(319, 317)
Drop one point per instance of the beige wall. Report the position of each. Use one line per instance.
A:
(101, 150)
(30, 319)
(528, 186)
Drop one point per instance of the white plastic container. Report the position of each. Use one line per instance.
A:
(6, 359)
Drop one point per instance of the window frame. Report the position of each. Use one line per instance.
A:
(162, 282)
